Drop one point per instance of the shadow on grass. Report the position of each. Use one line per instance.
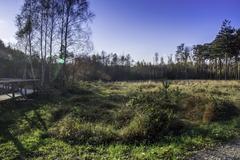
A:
(10, 113)
(8, 136)
(36, 121)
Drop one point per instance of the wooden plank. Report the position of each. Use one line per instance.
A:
(4, 81)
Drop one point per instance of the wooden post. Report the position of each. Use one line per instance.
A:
(13, 91)
(25, 91)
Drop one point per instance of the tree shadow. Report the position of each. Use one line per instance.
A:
(10, 112)
(42, 122)
(8, 136)
(36, 121)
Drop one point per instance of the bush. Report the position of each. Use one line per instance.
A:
(155, 115)
(149, 125)
(75, 132)
(123, 116)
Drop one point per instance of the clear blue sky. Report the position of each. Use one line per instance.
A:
(143, 27)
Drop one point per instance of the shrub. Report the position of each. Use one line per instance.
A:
(123, 116)
(75, 132)
(149, 125)
(155, 115)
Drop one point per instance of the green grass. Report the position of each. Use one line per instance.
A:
(91, 120)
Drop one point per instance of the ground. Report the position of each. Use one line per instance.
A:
(229, 151)
(94, 120)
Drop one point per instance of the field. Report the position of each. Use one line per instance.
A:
(121, 120)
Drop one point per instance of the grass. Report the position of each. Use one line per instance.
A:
(94, 120)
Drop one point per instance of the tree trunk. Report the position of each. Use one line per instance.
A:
(65, 44)
(30, 53)
(226, 65)
(216, 69)
(220, 68)
(30, 41)
(45, 48)
(41, 49)
(50, 49)
(237, 68)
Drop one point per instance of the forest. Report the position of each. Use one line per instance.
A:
(103, 105)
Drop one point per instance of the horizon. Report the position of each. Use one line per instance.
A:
(132, 30)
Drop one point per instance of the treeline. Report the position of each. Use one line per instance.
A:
(219, 59)
(12, 62)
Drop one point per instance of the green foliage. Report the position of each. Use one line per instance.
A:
(155, 113)
(166, 84)
(76, 132)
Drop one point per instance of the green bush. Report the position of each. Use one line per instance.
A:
(75, 132)
(149, 125)
(155, 115)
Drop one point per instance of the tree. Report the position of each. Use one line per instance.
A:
(225, 41)
(40, 24)
(156, 58)
(2, 45)
(236, 53)
(73, 14)
(26, 24)
(182, 56)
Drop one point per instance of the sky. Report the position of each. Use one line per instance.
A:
(143, 27)
(8, 11)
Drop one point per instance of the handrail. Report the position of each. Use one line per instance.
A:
(6, 80)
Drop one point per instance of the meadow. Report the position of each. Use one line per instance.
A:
(121, 121)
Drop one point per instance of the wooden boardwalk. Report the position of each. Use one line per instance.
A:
(13, 88)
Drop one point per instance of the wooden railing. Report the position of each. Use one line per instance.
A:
(10, 86)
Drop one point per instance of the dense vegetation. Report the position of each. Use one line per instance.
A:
(138, 120)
